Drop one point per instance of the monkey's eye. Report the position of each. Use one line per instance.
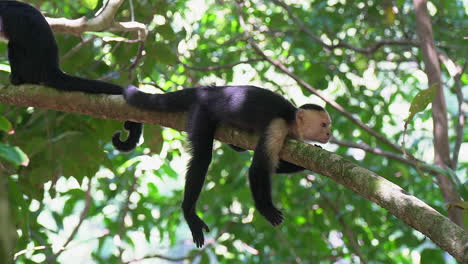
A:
(324, 125)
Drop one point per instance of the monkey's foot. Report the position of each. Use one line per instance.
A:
(197, 226)
(15, 80)
(273, 215)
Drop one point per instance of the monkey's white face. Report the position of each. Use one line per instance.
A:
(314, 125)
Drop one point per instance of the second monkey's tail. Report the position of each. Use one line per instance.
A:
(178, 101)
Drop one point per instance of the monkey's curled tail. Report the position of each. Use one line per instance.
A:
(178, 101)
(134, 131)
(63, 81)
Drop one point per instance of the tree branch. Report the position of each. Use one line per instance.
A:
(390, 155)
(373, 187)
(439, 108)
(220, 67)
(100, 22)
(342, 44)
(280, 66)
(83, 215)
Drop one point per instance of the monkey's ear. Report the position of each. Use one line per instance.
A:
(300, 115)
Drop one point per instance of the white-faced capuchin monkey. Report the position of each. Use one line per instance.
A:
(34, 59)
(270, 115)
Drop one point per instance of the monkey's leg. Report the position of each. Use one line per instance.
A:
(201, 131)
(14, 56)
(264, 162)
(236, 148)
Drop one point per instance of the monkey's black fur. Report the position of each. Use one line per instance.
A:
(246, 107)
(134, 132)
(33, 56)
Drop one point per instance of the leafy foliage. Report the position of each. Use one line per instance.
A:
(133, 207)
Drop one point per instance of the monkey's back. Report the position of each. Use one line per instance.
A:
(247, 107)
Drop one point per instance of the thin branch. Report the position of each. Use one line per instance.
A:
(347, 230)
(77, 47)
(391, 155)
(124, 210)
(220, 67)
(373, 187)
(461, 121)
(306, 85)
(173, 259)
(342, 44)
(83, 215)
(130, 67)
(456, 71)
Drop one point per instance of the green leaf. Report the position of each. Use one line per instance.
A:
(166, 31)
(430, 255)
(153, 138)
(90, 4)
(164, 54)
(14, 155)
(5, 125)
(420, 101)
(169, 171)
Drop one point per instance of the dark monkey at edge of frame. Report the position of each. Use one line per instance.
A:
(268, 114)
(34, 59)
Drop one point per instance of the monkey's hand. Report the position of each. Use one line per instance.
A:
(197, 226)
(273, 215)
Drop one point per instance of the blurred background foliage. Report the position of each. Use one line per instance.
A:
(73, 199)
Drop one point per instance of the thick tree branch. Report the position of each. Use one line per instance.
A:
(373, 187)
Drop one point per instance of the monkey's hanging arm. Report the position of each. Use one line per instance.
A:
(373, 187)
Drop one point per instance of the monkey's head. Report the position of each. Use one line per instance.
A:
(313, 123)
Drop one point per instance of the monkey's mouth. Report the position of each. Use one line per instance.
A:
(325, 140)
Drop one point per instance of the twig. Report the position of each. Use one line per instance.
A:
(83, 215)
(391, 155)
(219, 67)
(347, 230)
(130, 67)
(77, 47)
(124, 210)
(342, 44)
(461, 117)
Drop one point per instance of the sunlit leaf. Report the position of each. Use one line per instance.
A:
(91, 4)
(14, 155)
(421, 101)
(5, 125)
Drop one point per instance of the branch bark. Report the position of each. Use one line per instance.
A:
(439, 109)
(373, 187)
